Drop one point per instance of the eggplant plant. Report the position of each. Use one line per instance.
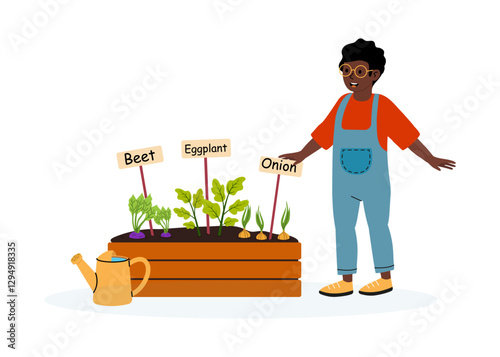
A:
(245, 218)
(196, 202)
(221, 194)
(142, 211)
(284, 221)
(162, 218)
(260, 223)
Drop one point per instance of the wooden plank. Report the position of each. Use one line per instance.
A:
(220, 288)
(220, 270)
(208, 251)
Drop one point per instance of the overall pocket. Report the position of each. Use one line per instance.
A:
(356, 161)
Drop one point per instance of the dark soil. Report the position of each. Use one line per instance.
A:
(183, 235)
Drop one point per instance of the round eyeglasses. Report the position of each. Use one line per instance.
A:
(360, 71)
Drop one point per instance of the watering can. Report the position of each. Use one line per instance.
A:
(110, 282)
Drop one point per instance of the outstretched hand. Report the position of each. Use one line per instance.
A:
(439, 163)
(298, 157)
(422, 152)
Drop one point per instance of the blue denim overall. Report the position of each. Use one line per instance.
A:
(360, 174)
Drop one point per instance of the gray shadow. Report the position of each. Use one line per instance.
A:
(311, 304)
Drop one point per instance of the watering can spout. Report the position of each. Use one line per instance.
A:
(87, 272)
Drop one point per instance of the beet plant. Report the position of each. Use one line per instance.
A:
(284, 221)
(142, 211)
(260, 223)
(162, 218)
(215, 211)
(245, 218)
(196, 202)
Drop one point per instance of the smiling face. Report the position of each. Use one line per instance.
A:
(356, 84)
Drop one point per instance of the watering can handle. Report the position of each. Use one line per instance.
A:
(146, 275)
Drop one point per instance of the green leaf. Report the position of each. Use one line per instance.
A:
(247, 214)
(184, 196)
(140, 203)
(159, 211)
(150, 215)
(131, 202)
(168, 214)
(286, 217)
(260, 221)
(238, 206)
(182, 212)
(134, 205)
(230, 222)
(218, 191)
(234, 186)
(212, 209)
(157, 215)
(148, 202)
(189, 225)
(198, 199)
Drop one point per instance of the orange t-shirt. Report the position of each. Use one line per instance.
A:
(391, 123)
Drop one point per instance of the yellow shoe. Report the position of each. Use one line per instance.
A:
(380, 286)
(340, 288)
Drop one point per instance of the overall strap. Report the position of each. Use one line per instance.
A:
(340, 113)
(373, 125)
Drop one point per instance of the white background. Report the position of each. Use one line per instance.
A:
(229, 74)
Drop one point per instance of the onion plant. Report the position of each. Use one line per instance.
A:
(284, 221)
(260, 223)
(245, 218)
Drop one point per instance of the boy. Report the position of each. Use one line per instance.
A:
(358, 127)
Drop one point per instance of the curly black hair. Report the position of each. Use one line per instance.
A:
(362, 50)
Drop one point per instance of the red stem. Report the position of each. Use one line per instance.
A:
(146, 195)
(206, 193)
(274, 206)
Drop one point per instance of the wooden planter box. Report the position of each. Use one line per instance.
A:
(187, 265)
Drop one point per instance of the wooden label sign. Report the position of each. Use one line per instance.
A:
(206, 148)
(280, 166)
(139, 157)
